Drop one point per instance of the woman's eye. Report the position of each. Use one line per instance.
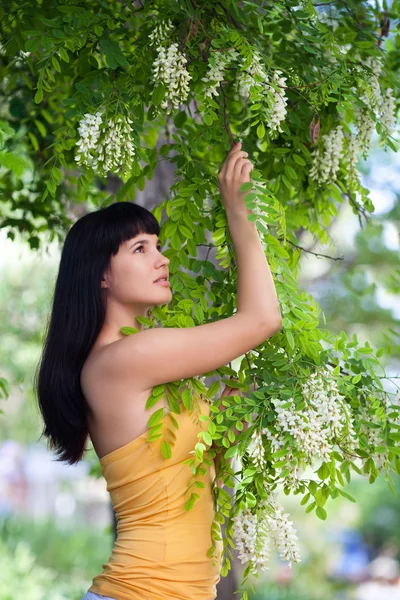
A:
(159, 248)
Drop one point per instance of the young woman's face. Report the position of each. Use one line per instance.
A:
(133, 271)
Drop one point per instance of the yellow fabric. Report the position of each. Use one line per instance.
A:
(160, 550)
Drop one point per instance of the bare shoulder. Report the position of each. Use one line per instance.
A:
(116, 399)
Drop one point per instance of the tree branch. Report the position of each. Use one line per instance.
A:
(314, 253)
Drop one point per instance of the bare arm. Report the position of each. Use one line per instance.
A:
(256, 288)
(159, 355)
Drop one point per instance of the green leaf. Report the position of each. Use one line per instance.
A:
(189, 504)
(321, 513)
(52, 187)
(310, 507)
(213, 389)
(346, 495)
(261, 131)
(57, 175)
(114, 55)
(166, 450)
(305, 499)
(207, 438)
(63, 55)
(34, 140)
(128, 330)
(230, 452)
(38, 96)
(56, 64)
(246, 187)
(11, 160)
(155, 417)
(32, 45)
(299, 160)
(290, 338)
(158, 94)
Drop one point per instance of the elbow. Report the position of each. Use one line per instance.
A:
(271, 327)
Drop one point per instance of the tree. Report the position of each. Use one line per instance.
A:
(87, 90)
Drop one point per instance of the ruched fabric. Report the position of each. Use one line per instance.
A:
(160, 550)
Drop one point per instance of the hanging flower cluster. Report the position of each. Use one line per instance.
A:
(105, 146)
(326, 161)
(382, 106)
(216, 68)
(169, 69)
(256, 450)
(351, 156)
(169, 66)
(373, 433)
(278, 104)
(388, 113)
(255, 79)
(256, 533)
(327, 155)
(371, 94)
(323, 422)
(160, 32)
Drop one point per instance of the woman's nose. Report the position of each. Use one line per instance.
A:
(165, 260)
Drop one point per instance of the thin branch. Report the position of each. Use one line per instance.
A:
(360, 210)
(314, 253)
(230, 18)
(226, 122)
(308, 85)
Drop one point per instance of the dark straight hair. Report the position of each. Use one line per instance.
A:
(77, 316)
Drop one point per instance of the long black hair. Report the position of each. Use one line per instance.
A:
(77, 316)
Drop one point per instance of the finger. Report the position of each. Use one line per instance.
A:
(246, 169)
(228, 392)
(233, 164)
(237, 174)
(232, 156)
(236, 147)
(231, 159)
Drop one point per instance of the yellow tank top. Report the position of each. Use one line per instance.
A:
(160, 550)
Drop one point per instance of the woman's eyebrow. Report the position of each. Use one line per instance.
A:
(142, 242)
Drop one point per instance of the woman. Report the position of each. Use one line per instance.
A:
(93, 380)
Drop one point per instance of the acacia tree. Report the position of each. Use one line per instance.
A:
(89, 87)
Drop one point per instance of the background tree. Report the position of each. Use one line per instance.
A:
(304, 85)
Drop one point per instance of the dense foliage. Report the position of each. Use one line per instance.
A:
(87, 90)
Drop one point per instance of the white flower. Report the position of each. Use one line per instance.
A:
(160, 32)
(352, 174)
(169, 69)
(279, 101)
(256, 450)
(327, 155)
(256, 79)
(365, 128)
(324, 422)
(371, 93)
(105, 146)
(283, 535)
(216, 67)
(388, 115)
(254, 76)
(383, 107)
(256, 532)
